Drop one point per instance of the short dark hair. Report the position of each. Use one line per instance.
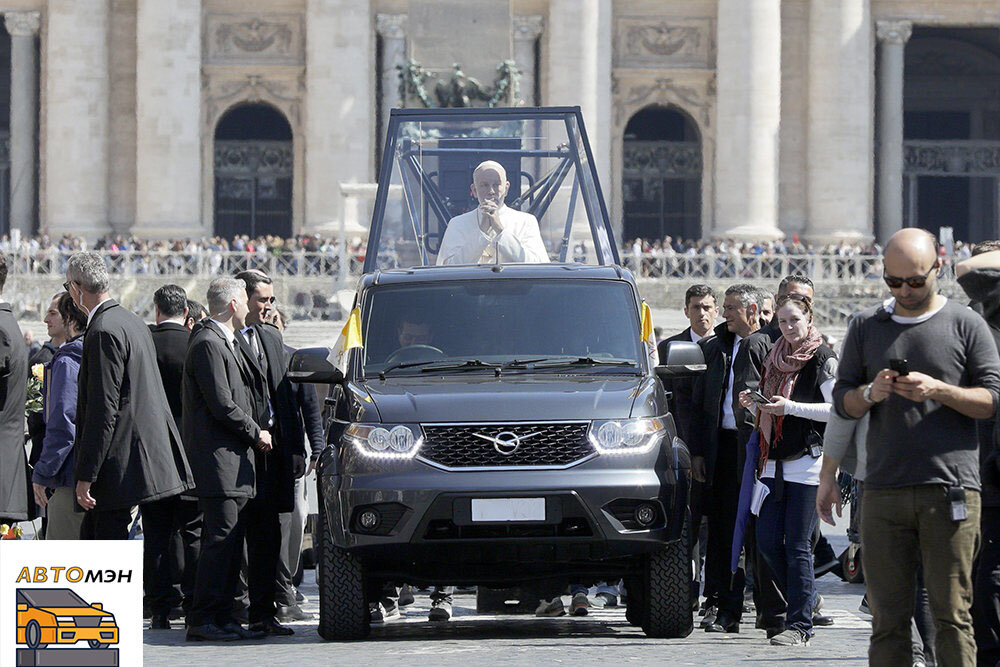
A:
(3, 271)
(979, 248)
(252, 278)
(70, 312)
(796, 278)
(697, 292)
(196, 310)
(170, 300)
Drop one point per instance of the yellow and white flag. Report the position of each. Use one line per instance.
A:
(648, 336)
(350, 338)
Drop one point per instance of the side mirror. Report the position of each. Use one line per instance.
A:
(314, 365)
(684, 359)
(97, 605)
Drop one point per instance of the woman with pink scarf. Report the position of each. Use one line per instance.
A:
(798, 377)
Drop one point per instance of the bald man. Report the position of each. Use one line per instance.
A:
(924, 368)
(492, 228)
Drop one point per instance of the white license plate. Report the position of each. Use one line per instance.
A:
(508, 509)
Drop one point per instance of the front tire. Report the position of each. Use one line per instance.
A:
(667, 596)
(96, 643)
(33, 635)
(343, 609)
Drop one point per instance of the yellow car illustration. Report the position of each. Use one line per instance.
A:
(60, 616)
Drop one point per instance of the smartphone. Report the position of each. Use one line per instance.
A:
(758, 397)
(901, 366)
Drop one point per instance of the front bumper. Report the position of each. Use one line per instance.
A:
(68, 634)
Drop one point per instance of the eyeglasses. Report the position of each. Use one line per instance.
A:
(916, 282)
(67, 284)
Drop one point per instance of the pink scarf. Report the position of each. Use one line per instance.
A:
(781, 370)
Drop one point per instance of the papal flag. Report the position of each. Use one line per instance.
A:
(350, 338)
(648, 335)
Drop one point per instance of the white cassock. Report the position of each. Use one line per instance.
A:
(520, 242)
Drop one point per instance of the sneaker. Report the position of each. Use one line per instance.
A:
(605, 600)
(383, 611)
(863, 607)
(405, 596)
(710, 615)
(790, 637)
(580, 605)
(440, 610)
(553, 608)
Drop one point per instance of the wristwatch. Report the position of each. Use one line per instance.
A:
(866, 394)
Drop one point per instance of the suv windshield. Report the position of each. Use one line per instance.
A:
(456, 169)
(591, 325)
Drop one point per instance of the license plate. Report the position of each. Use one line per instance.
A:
(508, 509)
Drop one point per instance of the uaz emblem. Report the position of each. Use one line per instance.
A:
(506, 442)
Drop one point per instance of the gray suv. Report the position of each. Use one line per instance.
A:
(496, 424)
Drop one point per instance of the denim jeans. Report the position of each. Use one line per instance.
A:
(784, 539)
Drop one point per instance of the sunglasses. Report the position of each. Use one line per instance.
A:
(67, 284)
(916, 282)
(794, 296)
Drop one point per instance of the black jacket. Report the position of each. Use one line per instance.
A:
(983, 287)
(710, 390)
(220, 425)
(681, 389)
(127, 443)
(171, 341)
(14, 483)
(312, 413)
(36, 420)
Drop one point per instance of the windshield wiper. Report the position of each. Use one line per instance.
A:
(468, 364)
(556, 362)
(408, 364)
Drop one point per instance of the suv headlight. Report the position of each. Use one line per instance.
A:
(625, 436)
(385, 441)
(65, 619)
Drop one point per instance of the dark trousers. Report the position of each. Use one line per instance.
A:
(106, 524)
(263, 539)
(784, 538)
(171, 539)
(901, 529)
(721, 520)
(986, 593)
(224, 522)
(700, 500)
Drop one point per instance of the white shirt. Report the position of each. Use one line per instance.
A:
(890, 307)
(806, 469)
(728, 418)
(228, 333)
(95, 309)
(695, 337)
(520, 242)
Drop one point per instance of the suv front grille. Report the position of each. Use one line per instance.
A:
(461, 446)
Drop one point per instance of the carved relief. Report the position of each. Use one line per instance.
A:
(645, 42)
(222, 93)
(241, 38)
(664, 90)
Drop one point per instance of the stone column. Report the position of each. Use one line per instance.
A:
(748, 119)
(22, 28)
(392, 29)
(75, 144)
(840, 123)
(168, 114)
(892, 38)
(527, 30)
(578, 71)
(340, 105)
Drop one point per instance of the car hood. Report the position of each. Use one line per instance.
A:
(76, 611)
(467, 397)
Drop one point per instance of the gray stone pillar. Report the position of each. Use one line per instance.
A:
(749, 117)
(527, 30)
(892, 38)
(392, 29)
(23, 27)
(840, 135)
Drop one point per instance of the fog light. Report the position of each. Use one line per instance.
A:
(368, 519)
(645, 514)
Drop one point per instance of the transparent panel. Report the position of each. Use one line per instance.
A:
(537, 164)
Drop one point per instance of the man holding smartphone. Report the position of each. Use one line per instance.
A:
(922, 501)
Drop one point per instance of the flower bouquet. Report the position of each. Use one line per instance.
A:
(10, 533)
(34, 395)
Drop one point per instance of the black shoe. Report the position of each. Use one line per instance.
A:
(822, 621)
(210, 633)
(271, 626)
(241, 616)
(299, 597)
(176, 613)
(292, 613)
(244, 633)
(724, 623)
(159, 622)
(405, 596)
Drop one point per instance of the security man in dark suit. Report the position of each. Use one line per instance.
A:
(701, 309)
(14, 481)
(224, 424)
(172, 526)
(277, 469)
(128, 451)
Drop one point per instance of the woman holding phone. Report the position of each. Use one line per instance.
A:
(794, 402)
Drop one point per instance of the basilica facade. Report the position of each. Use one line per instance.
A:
(825, 120)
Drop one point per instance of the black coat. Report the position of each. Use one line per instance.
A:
(276, 478)
(710, 390)
(127, 443)
(681, 390)
(312, 413)
(14, 482)
(219, 416)
(171, 341)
